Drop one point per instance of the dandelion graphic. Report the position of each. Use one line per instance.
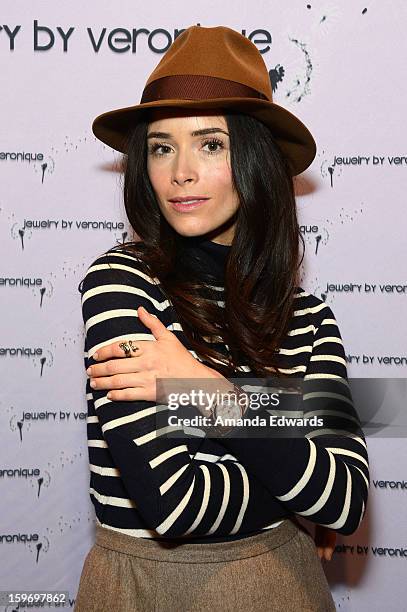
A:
(317, 241)
(47, 360)
(124, 236)
(48, 290)
(17, 424)
(276, 76)
(327, 169)
(43, 482)
(301, 86)
(46, 167)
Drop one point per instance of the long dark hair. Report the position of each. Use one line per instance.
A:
(262, 271)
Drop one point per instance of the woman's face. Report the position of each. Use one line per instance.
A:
(188, 157)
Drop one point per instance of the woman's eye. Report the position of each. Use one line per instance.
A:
(153, 149)
(214, 142)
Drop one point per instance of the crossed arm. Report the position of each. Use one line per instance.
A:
(323, 476)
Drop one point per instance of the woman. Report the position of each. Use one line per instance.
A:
(209, 522)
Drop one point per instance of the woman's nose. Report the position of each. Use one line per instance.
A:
(183, 168)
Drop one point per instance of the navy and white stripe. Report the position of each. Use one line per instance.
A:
(145, 484)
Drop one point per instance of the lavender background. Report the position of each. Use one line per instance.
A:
(339, 66)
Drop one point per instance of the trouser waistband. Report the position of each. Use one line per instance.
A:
(148, 548)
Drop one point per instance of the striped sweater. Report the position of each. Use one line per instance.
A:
(211, 489)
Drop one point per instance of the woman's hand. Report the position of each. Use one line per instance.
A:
(134, 378)
(325, 540)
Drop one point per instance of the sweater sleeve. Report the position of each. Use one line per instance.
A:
(323, 474)
(176, 492)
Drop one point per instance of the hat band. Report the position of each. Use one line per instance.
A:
(196, 87)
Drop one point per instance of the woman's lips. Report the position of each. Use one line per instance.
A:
(185, 207)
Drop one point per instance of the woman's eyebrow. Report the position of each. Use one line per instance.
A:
(212, 130)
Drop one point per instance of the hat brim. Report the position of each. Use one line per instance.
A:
(293, 137)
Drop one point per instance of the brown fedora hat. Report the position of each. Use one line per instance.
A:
(210, 68)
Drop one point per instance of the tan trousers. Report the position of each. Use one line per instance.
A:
(275, 571)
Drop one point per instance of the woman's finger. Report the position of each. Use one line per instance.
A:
(115, 366)
(113, 350)
(325, 552)
(325, 540)
(117, 381)
(127, 395)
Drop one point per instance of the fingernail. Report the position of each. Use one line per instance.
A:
(95, 356)
(88, 371)
(93, 384)
(143, 309)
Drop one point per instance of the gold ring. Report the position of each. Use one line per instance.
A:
(128, 347)
(133, 347)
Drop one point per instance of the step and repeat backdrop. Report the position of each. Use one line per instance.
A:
(339, 66)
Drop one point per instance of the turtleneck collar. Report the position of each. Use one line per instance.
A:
(212, 254)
